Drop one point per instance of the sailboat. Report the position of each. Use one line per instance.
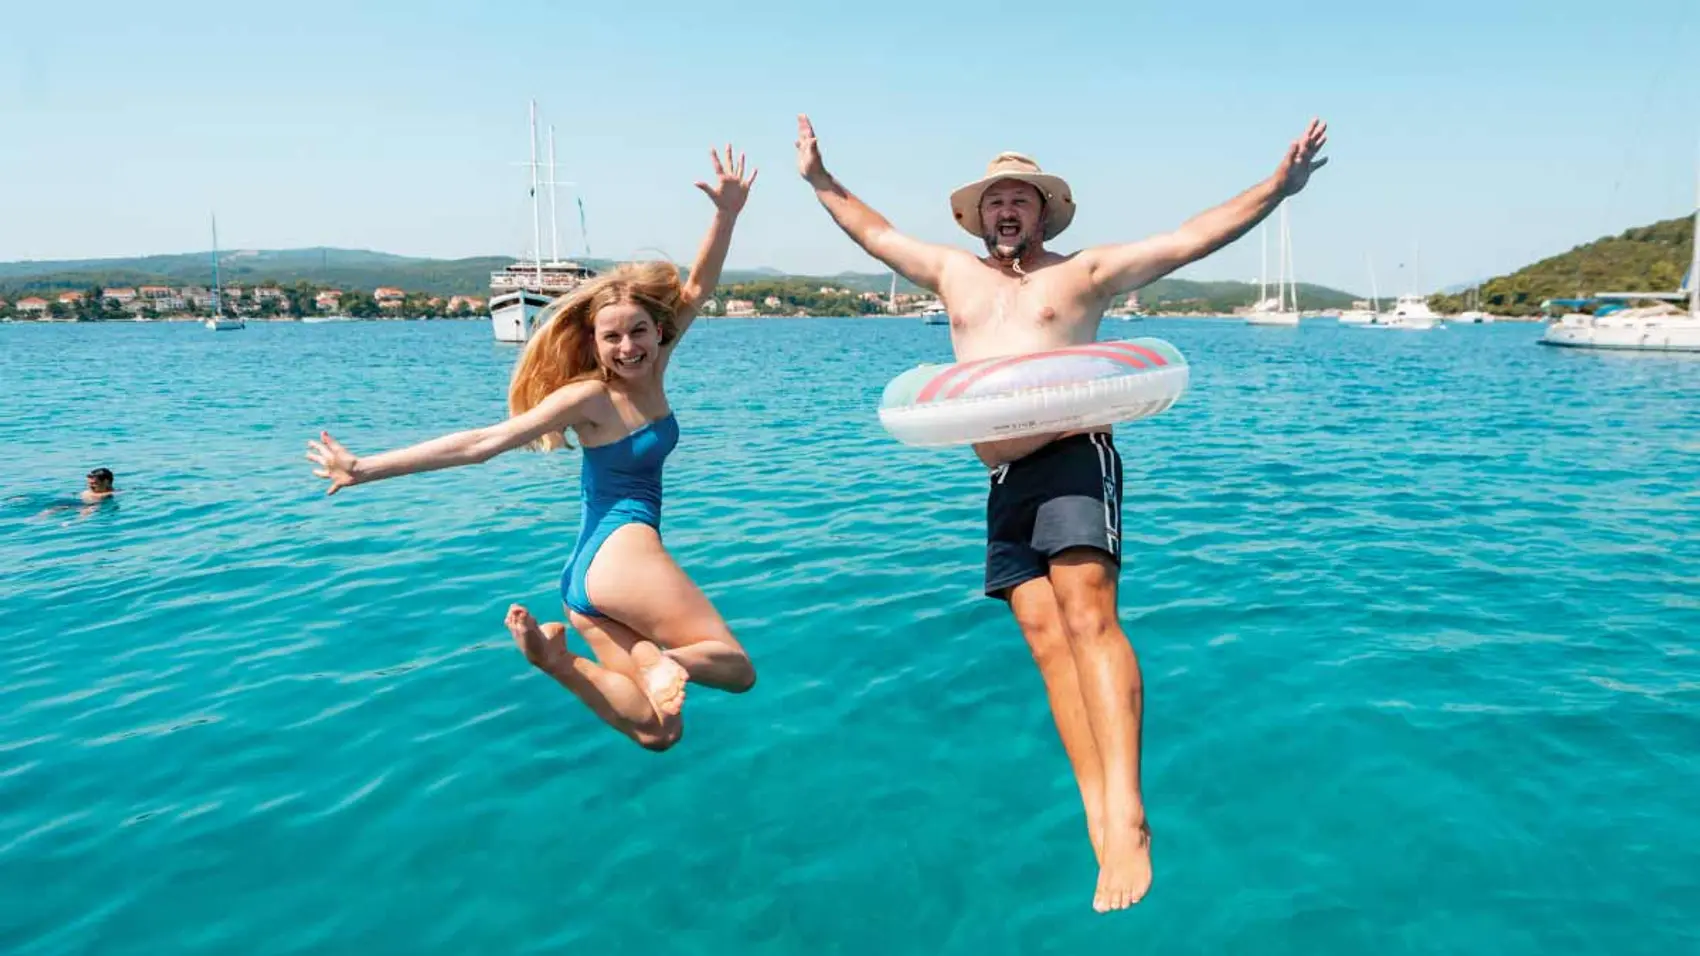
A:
(1410, 311)
(219, 322)
(1660, 327)
(1473, 315)
(520, 292)
(1274, 311)
(1365, 316)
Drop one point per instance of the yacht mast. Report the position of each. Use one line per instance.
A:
(536, 224)
(554, 227)
(218, 303)
(1262, 263)
(1291, 276)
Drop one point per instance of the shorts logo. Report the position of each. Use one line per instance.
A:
(1109, 467)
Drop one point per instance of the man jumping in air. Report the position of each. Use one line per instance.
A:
(1053, 513)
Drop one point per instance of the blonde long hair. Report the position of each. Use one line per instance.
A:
(563, 350)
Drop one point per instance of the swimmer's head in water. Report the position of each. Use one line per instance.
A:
(611, 328)
(100, 479)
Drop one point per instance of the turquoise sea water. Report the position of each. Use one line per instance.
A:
(1418, 617)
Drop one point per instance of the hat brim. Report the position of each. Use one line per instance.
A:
(1059, 201)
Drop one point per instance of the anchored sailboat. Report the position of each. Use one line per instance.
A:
(219, 322)
(520, 292)
(1357, 316)
(1275, 311)
(1660, 327)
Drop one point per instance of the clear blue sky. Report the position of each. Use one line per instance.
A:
(1489, 132)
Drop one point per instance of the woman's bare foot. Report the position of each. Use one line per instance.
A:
(661, 677)
(542, 646)
(1125, 875)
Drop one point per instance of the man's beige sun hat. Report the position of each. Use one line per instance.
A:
(1059, 200)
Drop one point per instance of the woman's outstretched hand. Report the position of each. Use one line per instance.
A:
(730, 188)
(335, 462)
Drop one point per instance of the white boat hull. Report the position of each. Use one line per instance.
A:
(224, 324)
(513, 316)
(1673, 334)
(1402, 325)
(1410, 314)
(1287, 319)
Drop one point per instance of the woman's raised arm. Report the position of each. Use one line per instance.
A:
(729, 191)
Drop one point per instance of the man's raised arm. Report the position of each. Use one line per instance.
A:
(1123, 268)
(920, 262)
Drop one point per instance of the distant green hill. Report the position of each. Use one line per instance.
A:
(365, 270)
(1187, 295)
(338, 268)
(1221, 298)
(1644, 259)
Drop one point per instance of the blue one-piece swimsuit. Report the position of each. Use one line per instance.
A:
(619, 483)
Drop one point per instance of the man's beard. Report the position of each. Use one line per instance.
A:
(1006, 253)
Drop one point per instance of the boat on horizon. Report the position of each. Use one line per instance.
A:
(1410, 314)
(1474, 314)
(1361, 316)
(219, 322)
(1614, 324)
(520, 292)
(1274, 310)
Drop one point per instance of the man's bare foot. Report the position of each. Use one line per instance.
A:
(1125, 876)
(542, 646)
(661, 677)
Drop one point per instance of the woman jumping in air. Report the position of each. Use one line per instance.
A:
(596, 367)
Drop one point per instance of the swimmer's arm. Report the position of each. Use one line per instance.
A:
(1122, 268)
(562, 409)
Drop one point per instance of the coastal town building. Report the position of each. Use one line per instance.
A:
(167, 302)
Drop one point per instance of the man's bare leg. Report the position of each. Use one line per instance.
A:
(1084, 581)
(1035, 607)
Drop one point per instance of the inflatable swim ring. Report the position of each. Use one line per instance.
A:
(1078, 386)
